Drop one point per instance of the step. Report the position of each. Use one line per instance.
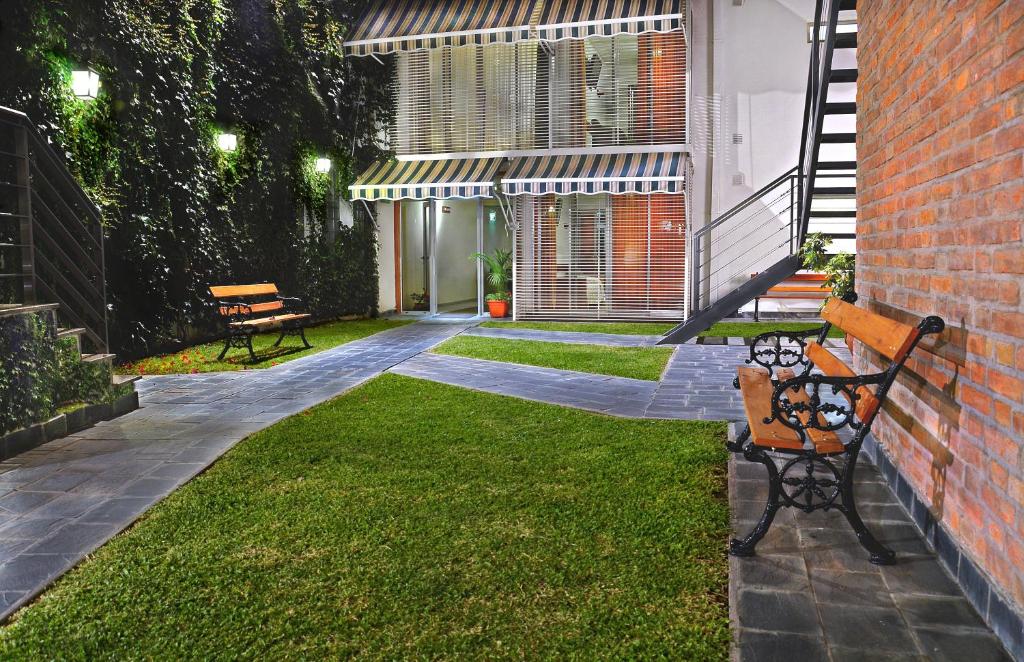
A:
(838, 138)
(842, 76)
(837, 165)
(70, 333)
(826, 213)
(847, 5)
(841, 108)
(120, 380)
(834, 190)
(98, 358)
(846, 40)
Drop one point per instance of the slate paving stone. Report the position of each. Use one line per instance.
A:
(27, 572)
(76, 539)
(938, 611)
(772, 571)
(946, 645)
(874, 630)
(22, 503)
(777, 611)
(780, 647)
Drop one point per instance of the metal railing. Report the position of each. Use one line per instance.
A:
(749, 238)
(50, 232)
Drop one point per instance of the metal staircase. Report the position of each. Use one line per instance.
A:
(51, 238)
(755, 245)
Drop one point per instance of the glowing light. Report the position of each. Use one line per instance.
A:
(228, 142)
(323, 165)
(85, 84)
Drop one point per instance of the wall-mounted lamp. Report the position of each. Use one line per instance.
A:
(85, 83)
(323, 165)
(227, 142)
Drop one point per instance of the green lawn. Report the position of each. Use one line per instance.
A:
(624, 328)
(751, 329)
(636, 362)
(414, 520)
(203, 358)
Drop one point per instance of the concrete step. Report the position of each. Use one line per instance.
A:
(120, 380)
(98, 358)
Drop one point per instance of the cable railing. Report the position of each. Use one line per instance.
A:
(51, 236)
(752, 236)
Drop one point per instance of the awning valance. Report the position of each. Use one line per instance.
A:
(617, 174)
(420, 180)
(406, 25)
(577, 19)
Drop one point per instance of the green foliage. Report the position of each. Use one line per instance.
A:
(499, 271)
(180, 214)
(840, 268)
(498, 296)
(39, 372)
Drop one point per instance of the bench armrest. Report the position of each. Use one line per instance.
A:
(768, 351)
(808, 405)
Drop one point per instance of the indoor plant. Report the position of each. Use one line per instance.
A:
(499, 277)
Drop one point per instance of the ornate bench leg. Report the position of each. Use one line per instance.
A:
(302, 334)
(227, 346)
(248, 345)
(745, 547)
(880, 555)
(737, 445)
(280, 338)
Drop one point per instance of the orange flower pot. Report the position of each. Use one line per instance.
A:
(497, 309)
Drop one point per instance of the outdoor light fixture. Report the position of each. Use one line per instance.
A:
(85, 83)
(323, 165)
(228, 142)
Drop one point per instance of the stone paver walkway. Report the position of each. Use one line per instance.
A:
(67, 497)
(810, 593)
(573, 337)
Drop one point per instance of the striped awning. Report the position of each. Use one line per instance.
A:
(617, 174)
(421, 180)
(389, 26)
(406, 25)
(577, 19)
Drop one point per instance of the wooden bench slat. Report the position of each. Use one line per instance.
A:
(264, 307)
(757, 387)
(833, 366)
(886, 336)
(243, 290)
(268, 321)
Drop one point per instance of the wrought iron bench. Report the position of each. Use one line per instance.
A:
(242, 305)
(797, 399)
(811, 286)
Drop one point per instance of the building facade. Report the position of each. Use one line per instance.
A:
(554, 130)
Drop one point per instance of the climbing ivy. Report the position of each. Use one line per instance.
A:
(180, 214)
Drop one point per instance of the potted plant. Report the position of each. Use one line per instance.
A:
(499, 278)
(839, 269)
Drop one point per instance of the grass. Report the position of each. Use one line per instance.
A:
(203, 358)
(623, 328)
(751, 329)
(414, 520)
(636, 362)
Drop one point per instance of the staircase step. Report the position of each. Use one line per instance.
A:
(837, 165)
(835, 190)
(840, 235)
(846, 40)
(843, 76)
(847, 5)
(838, 138)
(120, 380)
(98, 358)
(825, 213)
(69, 333)
(841, 108)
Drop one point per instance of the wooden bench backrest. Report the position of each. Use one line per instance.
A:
(225, 291)
(886, 336)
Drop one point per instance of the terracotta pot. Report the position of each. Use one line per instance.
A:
(497, 309)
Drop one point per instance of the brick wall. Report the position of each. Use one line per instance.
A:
(940, 187)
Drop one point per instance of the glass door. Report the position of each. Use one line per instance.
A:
(415, 244)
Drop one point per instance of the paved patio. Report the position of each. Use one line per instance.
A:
(810, 594)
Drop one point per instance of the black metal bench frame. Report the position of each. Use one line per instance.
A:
(240, 335)
(810, 480)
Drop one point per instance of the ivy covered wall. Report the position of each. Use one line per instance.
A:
(180, 213)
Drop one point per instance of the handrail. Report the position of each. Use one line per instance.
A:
(751, 199)
(63, 251)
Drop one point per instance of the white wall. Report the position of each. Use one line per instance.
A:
(756, 92)
(386, 255)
